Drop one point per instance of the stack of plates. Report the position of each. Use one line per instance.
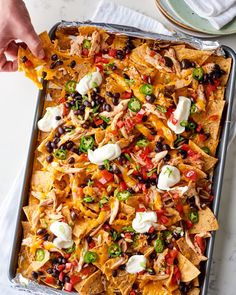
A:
(182, 18)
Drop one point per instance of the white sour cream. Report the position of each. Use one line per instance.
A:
(88, 82)
(168, 177)
(109, 152)
(136, 263)
(64, 234)
(143, 221)
(49, 121)
(180, 114)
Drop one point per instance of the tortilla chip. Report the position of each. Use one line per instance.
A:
(207, 222)
(210, 143)
(198, 56)
(154, 288)
(188, 252)
(195, 291)
(187, 269)
(42, 181)
(91, 285)
(36, 265)
(124, 281)
(200, 173)
(210, 120)
(208, 161)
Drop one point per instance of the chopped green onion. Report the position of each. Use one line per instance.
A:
(90, 257)
(114, 235)
(179, 139)
(206, 150)
(60, 154)
(146, 89)
(105, 119)
(95, 109)
(128, 81)
(193, 216)
(106, 164)
(128, 229)
(149, 174)
(103, 201)
(90, 182)
(192, 125)
(193, 109)
(71, 86)
(159, 245)
(114, 250)
(39, 254)
(184, 123)
(71, 249)
(123, 196)
(161, 109)
(142, 142)
(168, 171)
(134, 104)
(94, 84)
(198, 74)
(87, 44)
(86, 143)
(76, 106)
(128, 157)
(88, 199)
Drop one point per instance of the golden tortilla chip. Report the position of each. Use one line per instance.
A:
(42, 181)
(187, 269)
(188, 252)
(198, 56)
(154, 288)
(184, 167)
(207, 222)
(124, 281)
(208, 161)
(194, 291)
(91, 285)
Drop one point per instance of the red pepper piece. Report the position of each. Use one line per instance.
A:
(68, 287)
(112, 52)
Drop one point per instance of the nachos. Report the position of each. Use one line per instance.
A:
(120, 195)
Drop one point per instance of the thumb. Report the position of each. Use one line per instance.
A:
(33, 41)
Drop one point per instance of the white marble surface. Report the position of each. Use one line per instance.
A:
(17, 103)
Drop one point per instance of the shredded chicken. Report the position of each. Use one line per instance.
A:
(121, 261)
(158, 157)
(157, 61)
(95, 43)
(114, 210)
(171, 54)
(76, 45)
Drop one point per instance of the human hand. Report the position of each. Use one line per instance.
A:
(16, 27)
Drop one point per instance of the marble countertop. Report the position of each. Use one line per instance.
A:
(18, 97)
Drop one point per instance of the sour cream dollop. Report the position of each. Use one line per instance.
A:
(64, 234)
(89, 81)
(50, 119)
(168, 177)
(136, 263)
(109, 152)
(143, 221)
(180, 114)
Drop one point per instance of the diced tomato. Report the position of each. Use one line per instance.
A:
(106, 226)
(185, 147)
(68, 266)
(100, 67)
(28, 64)
(64, 110)
(123, 186)
(170, 110)
(179, 207)
(85, 51)
(68, 287)
(105, 208)
(128, 236)
(79, 192)
(145, 78)
(132, 292)
(98, 122)
(127, 94)
(61, 267)
(120, 124)
(151, 229)
(168, 270)
(147, 199)
(160, 213)
(144, 173)
(191, 174)
(50, 280)
(163, 219)
(61, 276)
(189, 224)
(85, 271)
(212, 87)
(112, 52)
(74, 263)
(170, 256)
(129, 124)
(101, 59)
(106, 177)
(176, 275)
(199, 127)
(152, 53)
(63, 99)
(201, 243)
(173, 120)
(91, 245)
(201, 137)
(75, 279)
(140, 209)
(98, 184)
(139, 116)
(175, 196)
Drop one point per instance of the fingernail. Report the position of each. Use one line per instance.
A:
(41, 54)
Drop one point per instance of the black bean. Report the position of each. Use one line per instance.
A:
(114, 273)
(67, 105)
(50, 270)
(183, 153)
(57, 134)
(153, 255)
(176, 235)
(159, 147)
(59, 62)
(166, 147)
(186, 63)
(167, 158)
(87, 103)
(183, 288)
(73, 64)
(82, 107)
(69, 145)
(55, 273)
(41, 231)
(122, 267)
(89, 239)
(46, 237)
(24, 59)
(170, 245)
(53, 145)
(152, 236)
(63, 261)
(54, 57)
(116, 170)
(34, 275)
(49, 149)
(131, 190)
(44, 74)
(52, 65)
(59, 283)
(56, 140)
(63, 146)
(109, 93)
(76, 150)
(116, 95)
(66, 279)
(144, 118)
(153, 131)
(115, 101)
(71, 160)
(48, 144)
(49, 158)
(72, 214)
(114, 67)
(135, 286)
(168, 61)
(59, 259)
(85, 125)
(125, 76)
(150, 98)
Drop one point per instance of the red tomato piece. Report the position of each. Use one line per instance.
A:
(98, 122)
(106, 177)
(179, 207)
(191, 174)
(85, 51)
(152, 53)
(68, 287)
(50, 280)
(112, 52)
(123, 186)
(75, 279)
(61, 267)
(68, 266)
(92, 245)
(189, 224)
(28, 64)
(100, 67)
(151, 229)
(127, 94)
(120, 124)
(163, 219)
(101, 59)
(61, 276)
(201, 242)
(170, 110)
(141, 210)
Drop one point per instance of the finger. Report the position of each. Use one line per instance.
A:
(34, 43)
(6, 65)
(12, 49)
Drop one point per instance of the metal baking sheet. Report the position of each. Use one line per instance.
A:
(218, 173)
